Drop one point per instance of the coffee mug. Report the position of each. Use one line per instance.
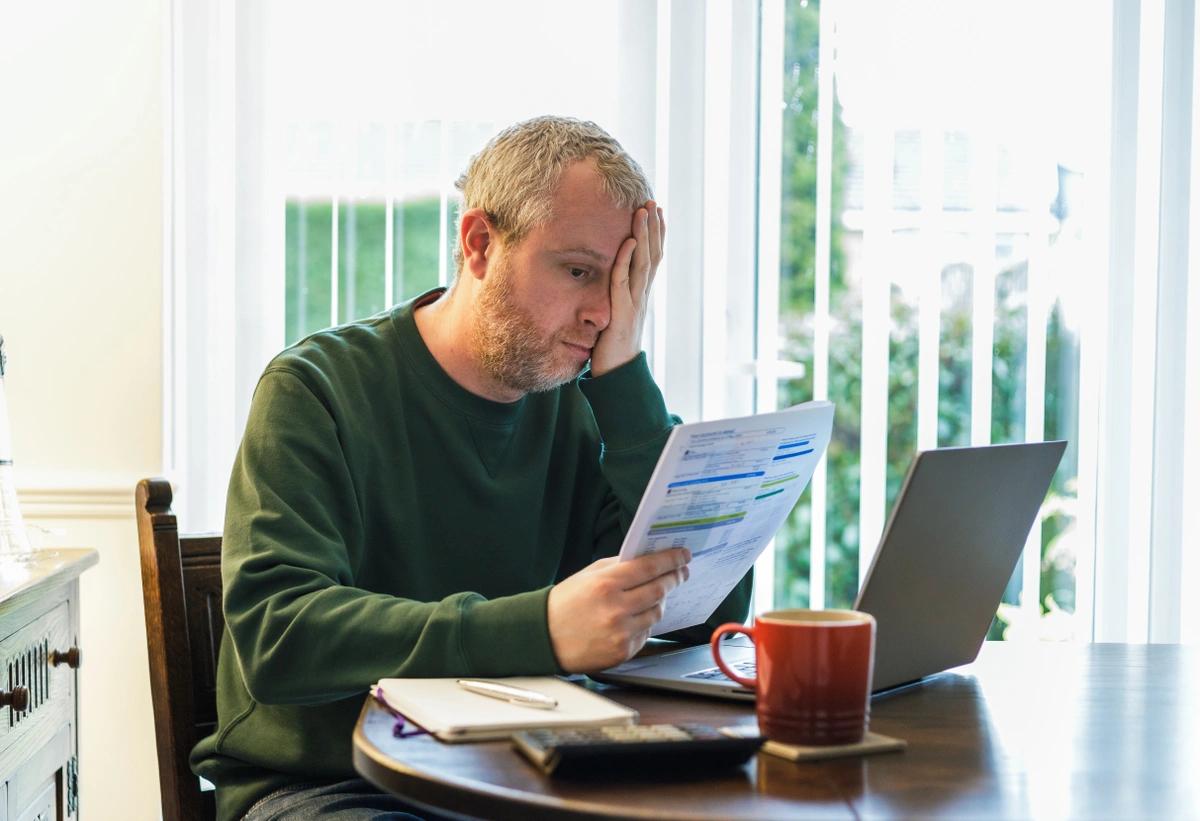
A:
(814, 671)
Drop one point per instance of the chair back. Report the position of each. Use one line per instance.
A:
(181, 587)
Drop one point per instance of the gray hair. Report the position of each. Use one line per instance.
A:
(514, 177)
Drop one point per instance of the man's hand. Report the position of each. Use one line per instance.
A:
(603, 614)
(629, 290)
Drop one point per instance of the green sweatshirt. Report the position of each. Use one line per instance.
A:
(382, 521)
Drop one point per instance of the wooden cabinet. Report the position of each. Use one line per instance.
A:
(40, 654)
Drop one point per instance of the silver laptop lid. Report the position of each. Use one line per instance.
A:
(952, 541)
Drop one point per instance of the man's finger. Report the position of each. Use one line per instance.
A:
(644, 568)
(652, 592)
(639, 268)
(644, 622)
(654, 232)
(619, 286)
(662, 239)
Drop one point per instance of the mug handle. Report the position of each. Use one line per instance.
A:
(720, 633)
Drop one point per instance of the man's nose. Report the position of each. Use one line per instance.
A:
(597, 311)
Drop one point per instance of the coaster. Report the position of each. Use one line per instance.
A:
(871, 743)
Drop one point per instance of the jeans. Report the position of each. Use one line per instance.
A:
(353, 800)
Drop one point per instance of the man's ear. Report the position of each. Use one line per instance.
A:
(475, 235)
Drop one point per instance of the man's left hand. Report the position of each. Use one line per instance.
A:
(629, 290)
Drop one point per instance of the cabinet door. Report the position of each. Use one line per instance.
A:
(41, 781)
(50, 689)
(44, 806)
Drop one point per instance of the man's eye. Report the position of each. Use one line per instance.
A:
(579, 273)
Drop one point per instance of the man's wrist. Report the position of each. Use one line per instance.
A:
(595, 371)
(610, 361)
(627, 405)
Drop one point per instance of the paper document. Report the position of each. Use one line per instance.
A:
(722, 489)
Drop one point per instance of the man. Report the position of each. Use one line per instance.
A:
(426, 492)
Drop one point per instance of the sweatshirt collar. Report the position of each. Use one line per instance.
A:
(433, 377)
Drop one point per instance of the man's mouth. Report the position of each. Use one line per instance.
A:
(582, 350)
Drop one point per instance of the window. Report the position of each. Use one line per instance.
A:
(934, 260)
(314, 157)
(962, 224)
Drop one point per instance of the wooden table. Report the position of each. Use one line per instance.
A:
(1042, 730)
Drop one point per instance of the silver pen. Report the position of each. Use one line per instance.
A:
(509, 693)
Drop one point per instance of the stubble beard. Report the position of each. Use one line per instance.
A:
(508, 345)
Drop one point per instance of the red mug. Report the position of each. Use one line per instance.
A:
(814, 671)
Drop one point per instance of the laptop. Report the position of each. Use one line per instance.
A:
(954, 536)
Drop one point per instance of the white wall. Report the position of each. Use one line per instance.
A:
(81, 133)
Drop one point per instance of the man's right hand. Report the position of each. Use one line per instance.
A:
(604, 613)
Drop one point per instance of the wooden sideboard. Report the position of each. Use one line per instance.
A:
(39, 695)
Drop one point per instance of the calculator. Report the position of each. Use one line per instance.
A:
(634, 748)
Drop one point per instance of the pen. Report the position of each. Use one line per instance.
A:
(509, 693)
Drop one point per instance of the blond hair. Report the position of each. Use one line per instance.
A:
(514, 177)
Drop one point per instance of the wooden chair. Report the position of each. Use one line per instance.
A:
(181, 586)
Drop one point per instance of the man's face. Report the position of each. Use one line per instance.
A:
(545, 301)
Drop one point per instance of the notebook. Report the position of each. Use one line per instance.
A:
(453, 714)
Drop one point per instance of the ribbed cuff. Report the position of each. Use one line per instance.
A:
(627, 404)
(509, 636)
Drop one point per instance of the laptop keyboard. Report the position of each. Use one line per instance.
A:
(745, 668)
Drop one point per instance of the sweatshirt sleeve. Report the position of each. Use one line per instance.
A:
(634, 425)
(303, 629)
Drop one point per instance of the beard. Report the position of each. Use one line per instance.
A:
(508, 344)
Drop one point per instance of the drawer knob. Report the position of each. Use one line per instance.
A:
(17, 698)
(72, 658)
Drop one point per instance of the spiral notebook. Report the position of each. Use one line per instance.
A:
(450, 713)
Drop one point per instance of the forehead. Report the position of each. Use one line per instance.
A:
(583, 215)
